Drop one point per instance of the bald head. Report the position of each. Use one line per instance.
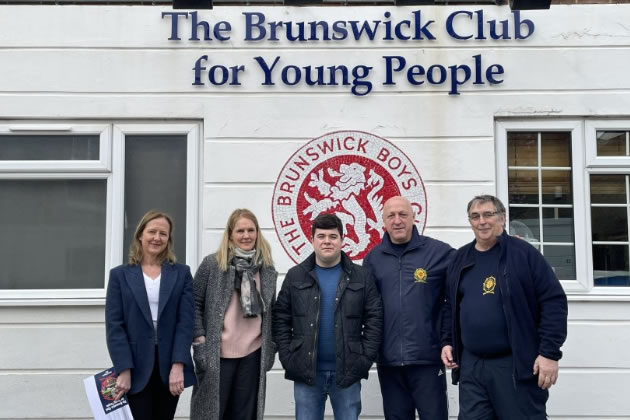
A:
(398, 219)
(397, 201)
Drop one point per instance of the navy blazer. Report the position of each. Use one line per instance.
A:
(129, 327)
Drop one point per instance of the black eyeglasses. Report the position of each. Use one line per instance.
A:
(486, 215)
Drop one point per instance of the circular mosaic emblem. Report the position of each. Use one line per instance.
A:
(350, 174)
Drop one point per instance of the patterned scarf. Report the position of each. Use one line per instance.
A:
(245, 282)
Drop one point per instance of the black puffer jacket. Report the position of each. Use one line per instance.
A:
(358, 323)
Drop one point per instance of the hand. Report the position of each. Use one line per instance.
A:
(199, 340)
(176, 379)
(447, 357)
(547, 371)
(123, 384)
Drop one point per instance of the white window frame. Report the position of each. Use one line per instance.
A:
(594, 161)
(192, 193)
(602, 165)
(110, 166)
(583, 282)
(84, 166)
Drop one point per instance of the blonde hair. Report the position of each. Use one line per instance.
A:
(135, 249)
(226, 248)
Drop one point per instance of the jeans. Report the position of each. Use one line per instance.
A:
(310, 401)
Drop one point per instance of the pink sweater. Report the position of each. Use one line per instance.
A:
(240, 336)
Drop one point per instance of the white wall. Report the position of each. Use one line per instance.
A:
(47, 351)
(115, 63)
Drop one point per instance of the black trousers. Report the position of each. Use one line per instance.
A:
(155, 401)
(407, 389)
(238, 387)
(488, 391)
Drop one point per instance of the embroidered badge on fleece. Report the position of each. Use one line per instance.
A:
(489, 284)
(420, 275)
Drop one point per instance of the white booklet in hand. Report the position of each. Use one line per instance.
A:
(100, 393)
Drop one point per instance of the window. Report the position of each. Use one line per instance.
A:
(540, 180)
(566, 185)
(540, 195)
(72, 194)
(608, 167)
(155, 177)
(609, 229)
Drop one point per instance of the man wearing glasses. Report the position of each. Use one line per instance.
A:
(504, 321)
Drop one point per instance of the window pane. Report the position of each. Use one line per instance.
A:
(556, 187)
(53, 234)
(611, 143)
(562, 259)
(610, 265)
(49, 147)
(556, 149)
(557, 225)
(609, 223)
(522, 149)
(525, 222)
(155, 178)
(523, 187)
(608, 189)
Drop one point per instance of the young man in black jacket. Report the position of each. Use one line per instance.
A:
(504, 321)
(327, 324)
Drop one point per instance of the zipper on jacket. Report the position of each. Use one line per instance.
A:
(505, 295)
(455, 321)
(345, 277)
(400, 303)
(314, 355)
(400, 297)
(507, 319)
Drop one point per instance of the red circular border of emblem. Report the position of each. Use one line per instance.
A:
(349, 173)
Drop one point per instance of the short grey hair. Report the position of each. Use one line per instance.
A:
(481, 199)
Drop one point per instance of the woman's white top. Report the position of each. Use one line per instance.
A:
(153, 293)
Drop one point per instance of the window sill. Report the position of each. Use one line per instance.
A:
(52, 302)
(598, 295)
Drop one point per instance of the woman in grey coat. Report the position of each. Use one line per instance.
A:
(235, 290)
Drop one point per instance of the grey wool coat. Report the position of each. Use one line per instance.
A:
(213, 289)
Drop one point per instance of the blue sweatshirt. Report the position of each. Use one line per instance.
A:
(328, 278)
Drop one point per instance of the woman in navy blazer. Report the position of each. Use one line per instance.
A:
(149, 319)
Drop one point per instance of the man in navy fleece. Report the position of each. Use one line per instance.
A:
(410, 272)
(505, 319)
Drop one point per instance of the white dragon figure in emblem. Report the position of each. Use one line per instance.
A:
(349, 185)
